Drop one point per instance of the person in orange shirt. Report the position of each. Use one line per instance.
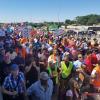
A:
(22, 50)
(23, 40)
(96, 76)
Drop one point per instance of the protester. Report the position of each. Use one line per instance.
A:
(72, 92)
(88, 62)
(66, 72)
(65, 57)
(79, 64)
(31, 72)
(54, 57)
(20, 61)
(96, 76)
(14, 85)
(42, 89)
(53, 72)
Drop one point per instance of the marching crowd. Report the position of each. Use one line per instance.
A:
(45, 66)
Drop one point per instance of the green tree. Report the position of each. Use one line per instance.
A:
(67, 21)
(88, 19)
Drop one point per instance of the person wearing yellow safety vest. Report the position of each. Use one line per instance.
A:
(65, 75)
(96, 76)
(53, 73)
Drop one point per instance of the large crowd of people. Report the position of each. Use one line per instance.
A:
(48, 67)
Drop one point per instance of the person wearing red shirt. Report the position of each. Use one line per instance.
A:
(94, 58)
(88, 62)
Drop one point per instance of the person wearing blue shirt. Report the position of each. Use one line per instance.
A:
(79, 64)
(42, 89)
(14, 85)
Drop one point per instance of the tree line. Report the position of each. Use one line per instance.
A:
(91, 19)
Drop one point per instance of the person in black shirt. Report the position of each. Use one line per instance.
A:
(31, 72)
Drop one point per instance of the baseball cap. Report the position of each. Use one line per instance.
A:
(14, 67)
(44, 76)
